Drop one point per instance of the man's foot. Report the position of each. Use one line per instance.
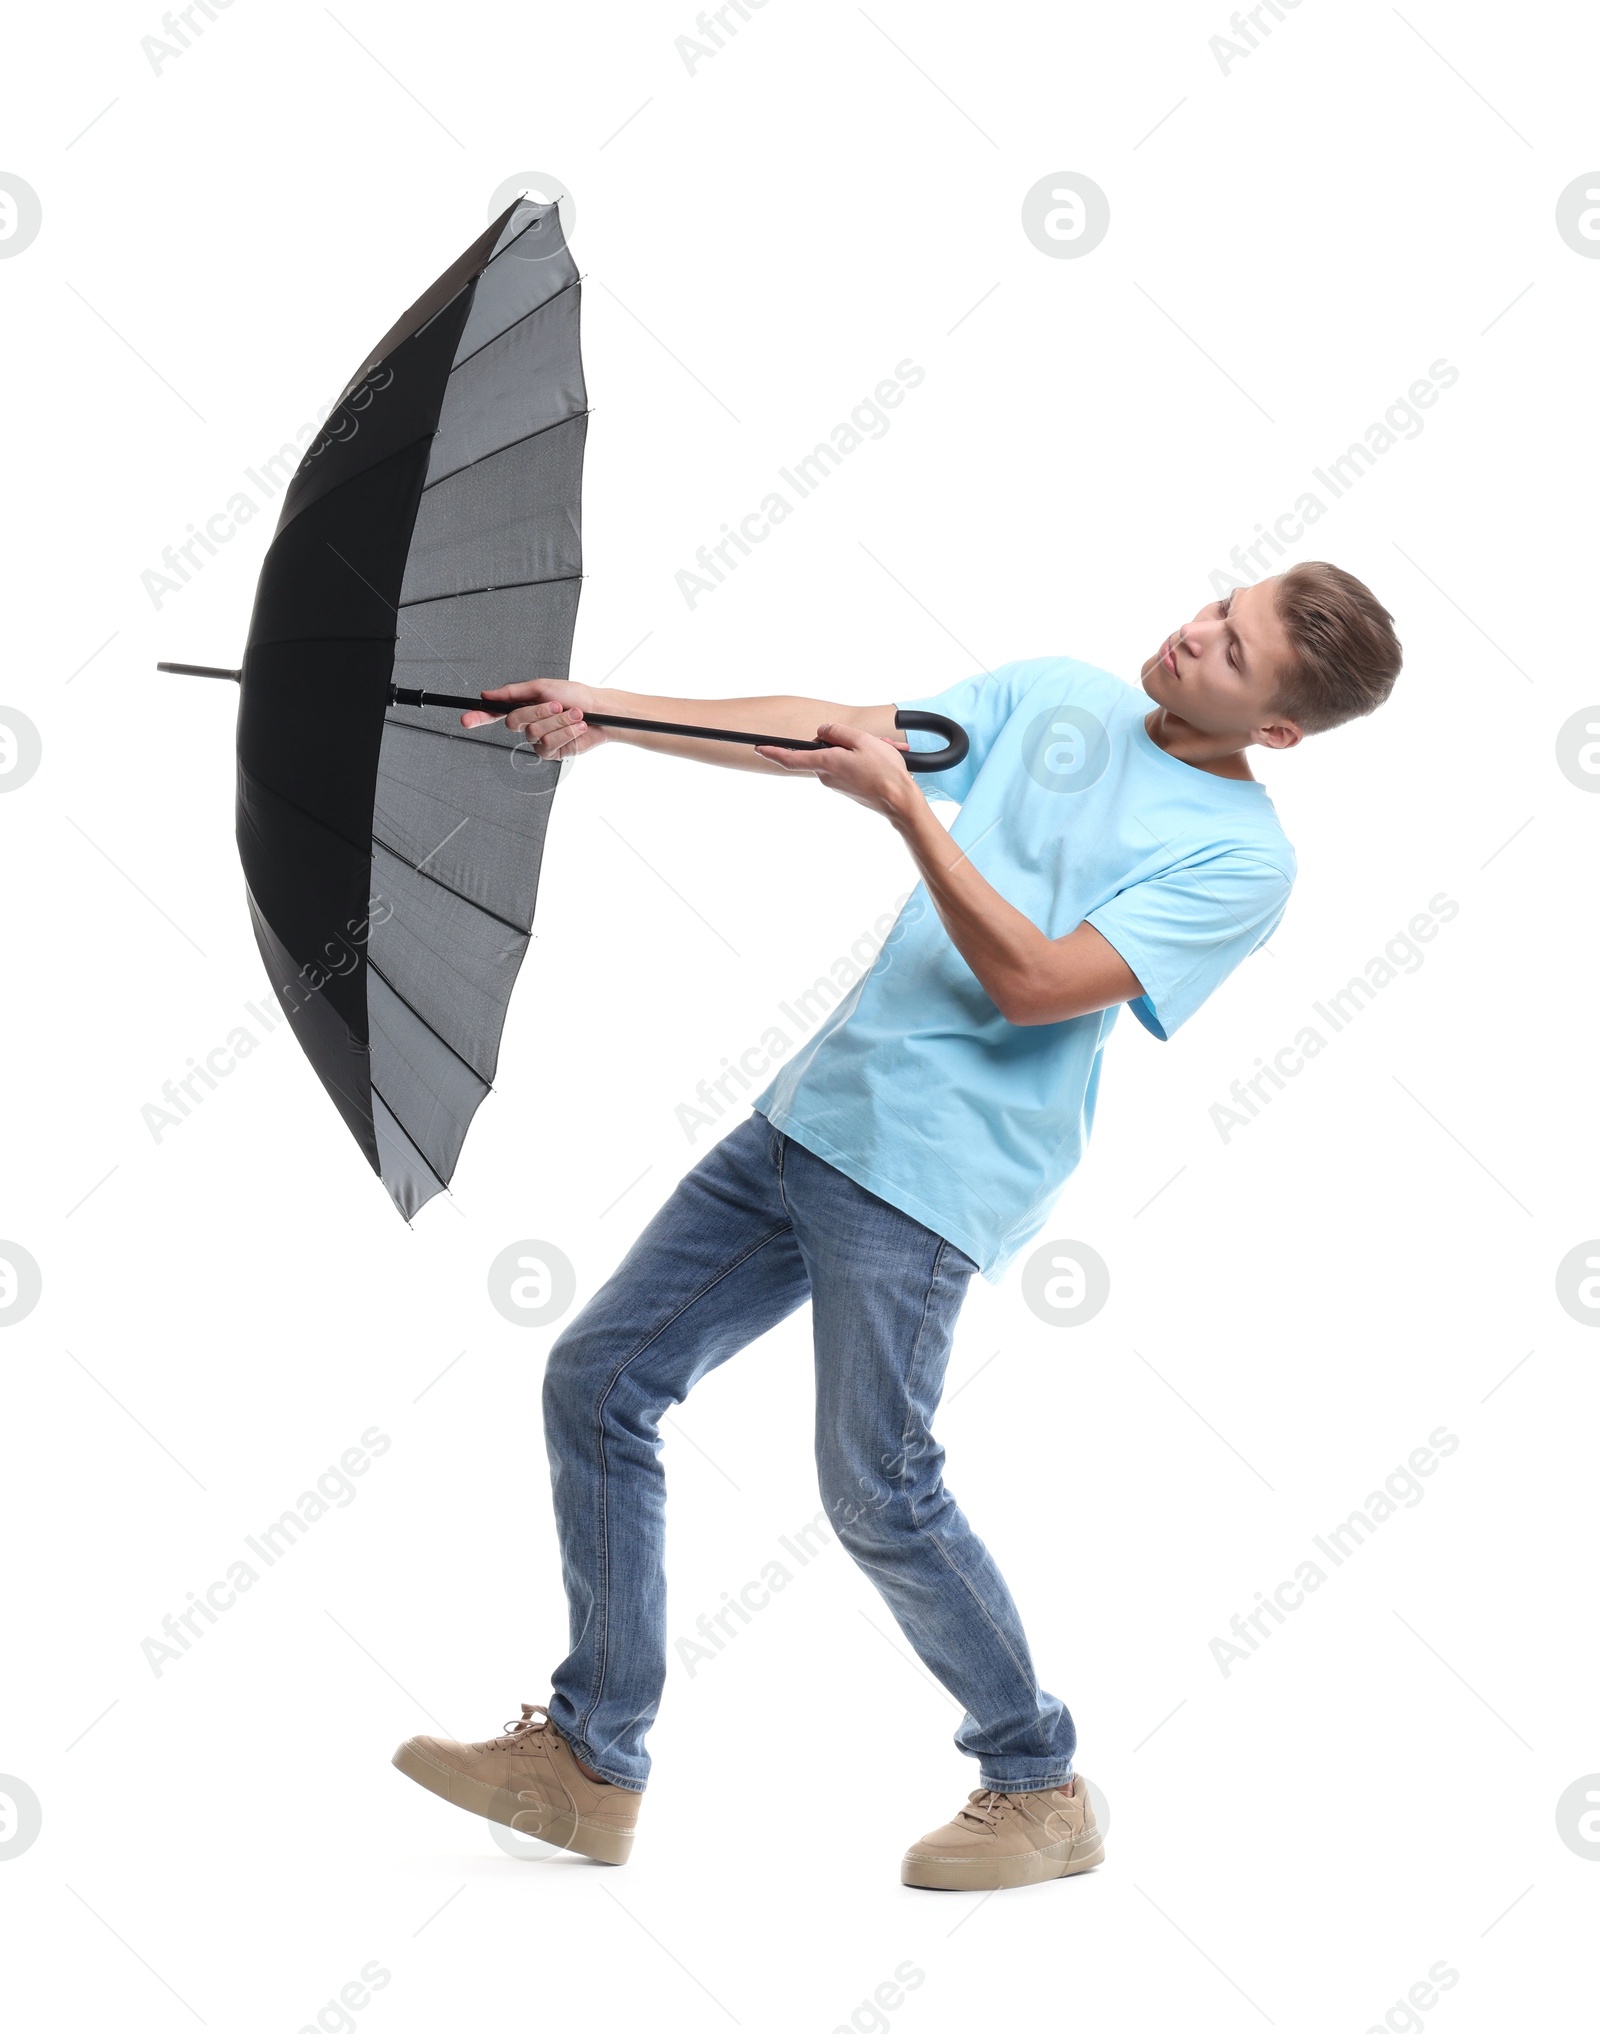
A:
(1009, 1840)
(530, 1780)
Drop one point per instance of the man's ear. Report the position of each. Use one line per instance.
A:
(1279, 734)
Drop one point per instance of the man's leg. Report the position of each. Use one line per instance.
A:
(715, 1268)
(885, 1296)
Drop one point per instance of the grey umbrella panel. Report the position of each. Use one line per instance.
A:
(489, 596)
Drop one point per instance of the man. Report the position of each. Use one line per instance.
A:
(1107, 851)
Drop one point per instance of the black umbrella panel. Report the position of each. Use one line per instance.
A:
(431, 536)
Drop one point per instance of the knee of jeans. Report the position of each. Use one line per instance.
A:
(871, 1503)
(585, 1390)
(572, 1378)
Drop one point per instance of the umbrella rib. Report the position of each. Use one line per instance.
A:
(457, 365)
(444, 1184)
(349, 480)
(304, 811)
(510, 446)
(522, 931)
(454, 1052)
(526, 227)
(475, 735)
(283, 642)
(392, 340)
(500, 586)
(445, 734)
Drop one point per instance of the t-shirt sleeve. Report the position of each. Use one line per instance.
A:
(982, 705)
(1185, 931)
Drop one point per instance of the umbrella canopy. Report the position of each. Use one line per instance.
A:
(392, 860)
(430, 536)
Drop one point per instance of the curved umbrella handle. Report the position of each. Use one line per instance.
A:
(956, 744)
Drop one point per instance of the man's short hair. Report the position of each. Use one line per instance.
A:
(1346, 653)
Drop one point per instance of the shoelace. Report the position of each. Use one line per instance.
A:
(983, 1808)
(516, 1734)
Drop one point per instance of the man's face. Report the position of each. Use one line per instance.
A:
(1221, 672)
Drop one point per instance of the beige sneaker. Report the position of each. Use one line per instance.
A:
(1009, 1840)
(529, 1780)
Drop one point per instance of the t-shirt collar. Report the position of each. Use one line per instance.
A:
(1143, 736)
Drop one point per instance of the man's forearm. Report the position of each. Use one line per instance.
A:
(1001, 946)
(783, 714)
(1030, 978)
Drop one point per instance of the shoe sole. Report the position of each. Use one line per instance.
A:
(499, 1804)
(971, 1875)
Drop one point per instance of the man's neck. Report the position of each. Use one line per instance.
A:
(1222, 755)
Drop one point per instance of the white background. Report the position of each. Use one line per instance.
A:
(227, 1308)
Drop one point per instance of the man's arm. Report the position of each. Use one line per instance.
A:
(1030, 978)
(550, 713)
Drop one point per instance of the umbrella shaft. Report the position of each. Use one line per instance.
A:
(715, 734)
(955, 736)
(403, 696)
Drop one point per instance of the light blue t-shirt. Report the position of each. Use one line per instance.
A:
(915, 1086)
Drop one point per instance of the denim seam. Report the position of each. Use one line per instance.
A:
(964, 1579)
(603, 1638)
(913, 1374)
(998, 1786)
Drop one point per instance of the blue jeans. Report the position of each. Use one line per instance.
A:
(756, 1228)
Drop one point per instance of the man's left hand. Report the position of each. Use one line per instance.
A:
(864, 767)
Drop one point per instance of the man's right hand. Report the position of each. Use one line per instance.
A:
(548, 713)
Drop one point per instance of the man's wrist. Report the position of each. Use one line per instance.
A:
(907, 806)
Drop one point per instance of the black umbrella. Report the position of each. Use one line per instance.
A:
(431, 533)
